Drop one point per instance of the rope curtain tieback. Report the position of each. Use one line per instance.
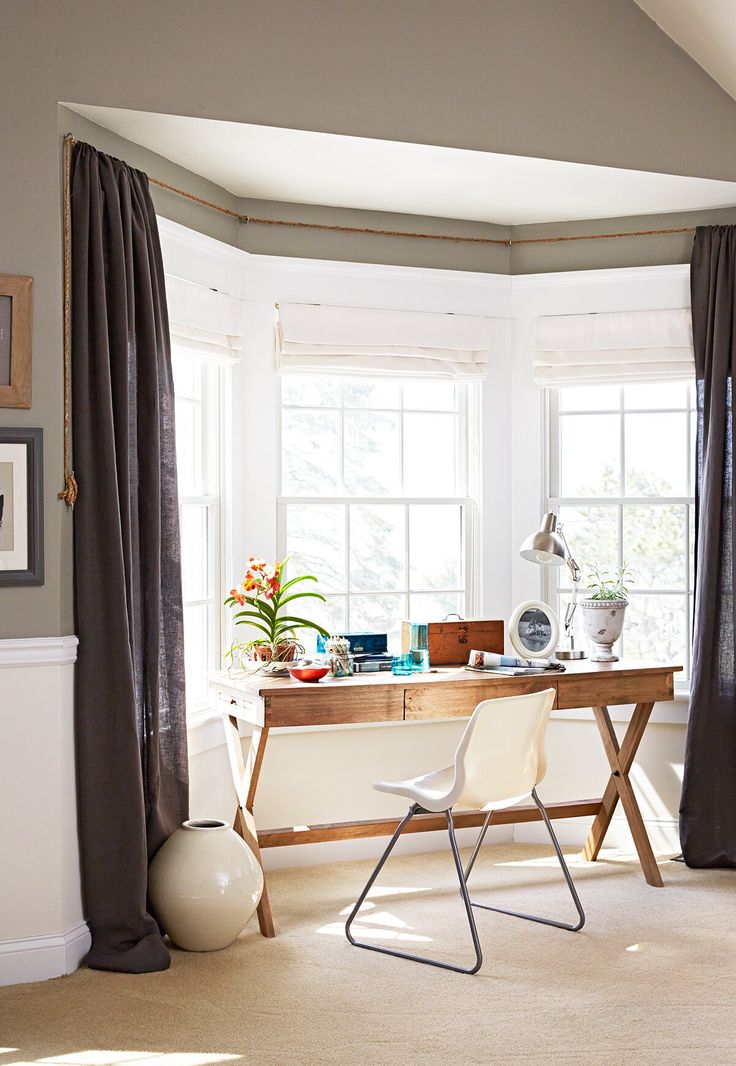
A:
(71, 490)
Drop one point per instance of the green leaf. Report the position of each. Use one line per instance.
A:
(266, 632)
(294, 580)
(303, 595)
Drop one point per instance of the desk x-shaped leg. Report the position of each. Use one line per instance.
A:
(619, 788)
(245, 778)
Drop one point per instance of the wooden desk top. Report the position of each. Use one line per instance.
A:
(443, 692)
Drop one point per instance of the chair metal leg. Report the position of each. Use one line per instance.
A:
(561, 858)
(478, 845)
(414, 809)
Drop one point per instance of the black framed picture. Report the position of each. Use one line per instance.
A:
(21, 506)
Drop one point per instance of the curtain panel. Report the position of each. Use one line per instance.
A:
(708, 805)
(358, 340)
(130, 700)
(613, 348)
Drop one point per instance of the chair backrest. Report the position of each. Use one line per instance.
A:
(500, 757)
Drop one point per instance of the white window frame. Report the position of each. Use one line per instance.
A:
(468, 475)
(216, 455)
(554, 501)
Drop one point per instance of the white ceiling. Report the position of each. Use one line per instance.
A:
(705, 29)
(296, 166)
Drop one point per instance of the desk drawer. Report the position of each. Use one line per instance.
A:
(335, 705)
(610, 690)
(460, 700)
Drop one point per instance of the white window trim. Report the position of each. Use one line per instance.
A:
(199, 711)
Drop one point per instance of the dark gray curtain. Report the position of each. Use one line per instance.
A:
(708, 808)
(130, 707)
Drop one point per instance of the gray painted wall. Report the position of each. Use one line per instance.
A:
(585, 80)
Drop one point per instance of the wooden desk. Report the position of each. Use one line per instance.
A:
(267, 703)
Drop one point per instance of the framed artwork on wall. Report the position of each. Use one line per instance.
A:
(21, 506)
(16, 306)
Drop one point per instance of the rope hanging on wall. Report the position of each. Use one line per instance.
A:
(71, 490)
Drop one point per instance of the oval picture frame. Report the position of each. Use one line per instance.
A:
(534, 630)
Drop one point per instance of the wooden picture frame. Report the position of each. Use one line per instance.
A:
(21, 506)
(16, 312)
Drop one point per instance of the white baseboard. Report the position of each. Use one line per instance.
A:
(372, 847)
(37, 958)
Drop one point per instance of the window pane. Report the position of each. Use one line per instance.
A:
(310, 453)
(590, 398)
(377, 548)
(592, 534)
(428, 395)
(429, 455)
(656, 455)
(657, 396)
(309, 390)
(315, 543)
(372, 455)
(654, 546)
(377, 614)
(188, 448)
(590, 455)
(196, 644)
(655, 629)
(435, 546)
(194, 553)
(372, 392)
(434, 606)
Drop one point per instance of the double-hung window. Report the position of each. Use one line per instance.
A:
(376, 496)
(621, 476)
(198, 386)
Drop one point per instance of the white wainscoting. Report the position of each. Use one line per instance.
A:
(42, 929)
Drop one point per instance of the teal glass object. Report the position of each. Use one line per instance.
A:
(401, 665)
(419, 647)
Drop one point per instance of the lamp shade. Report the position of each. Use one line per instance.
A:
(546, 545)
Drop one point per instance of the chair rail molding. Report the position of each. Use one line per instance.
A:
(38, 651)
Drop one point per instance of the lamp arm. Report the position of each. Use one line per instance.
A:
(576, 574)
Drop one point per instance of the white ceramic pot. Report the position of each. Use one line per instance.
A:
(204, 884)
(603, 621)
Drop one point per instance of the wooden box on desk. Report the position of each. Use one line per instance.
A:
(450, 643)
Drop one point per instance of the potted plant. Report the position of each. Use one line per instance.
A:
(603, 610)
(266, 604)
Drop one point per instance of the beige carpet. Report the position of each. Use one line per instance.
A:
(650, 979)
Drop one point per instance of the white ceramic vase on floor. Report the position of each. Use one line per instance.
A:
(204, 884)
(603, 621)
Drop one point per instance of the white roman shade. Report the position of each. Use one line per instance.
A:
(204, 320)
(357, 340)
(613, 347)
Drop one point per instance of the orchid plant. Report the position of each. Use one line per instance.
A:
(263, 599)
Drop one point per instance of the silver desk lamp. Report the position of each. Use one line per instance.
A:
(549, 547)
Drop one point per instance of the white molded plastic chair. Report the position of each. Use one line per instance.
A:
(498, 763)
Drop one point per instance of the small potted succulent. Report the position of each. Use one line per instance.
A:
(265, 602)
(603, 610)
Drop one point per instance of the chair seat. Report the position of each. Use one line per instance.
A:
(430, 791)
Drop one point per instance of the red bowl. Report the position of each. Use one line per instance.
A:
(311, 673)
